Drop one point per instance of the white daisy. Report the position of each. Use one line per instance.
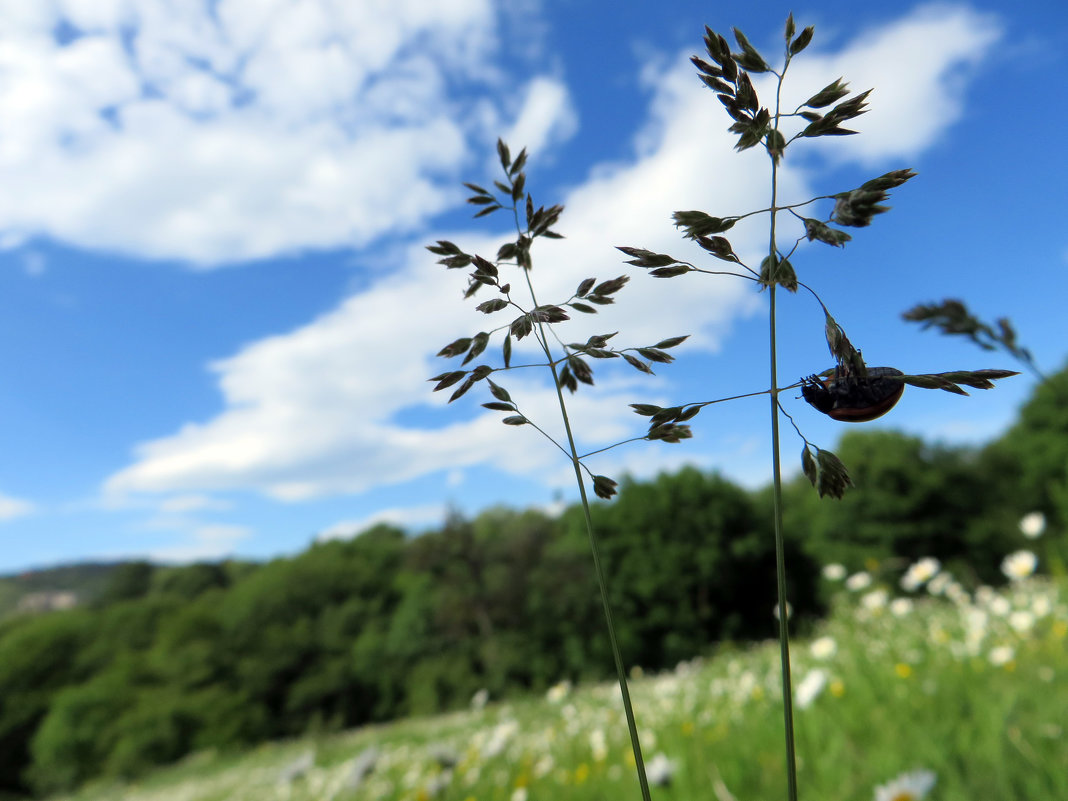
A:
(1001, 655)
(906, 787)
(834, 572)
(1032, 525)
(810, 687)
(823, 648)
(876, 599)
(659, 770)
(938, 584)
(1022, 620)
(900, 607)
(1019, 565)
(858, 581)
(558, 692)
(919, 573)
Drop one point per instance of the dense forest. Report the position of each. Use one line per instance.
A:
(167, 660)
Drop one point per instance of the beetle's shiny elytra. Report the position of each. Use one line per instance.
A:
(852, 398)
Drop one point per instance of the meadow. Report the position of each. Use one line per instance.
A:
(921, 683)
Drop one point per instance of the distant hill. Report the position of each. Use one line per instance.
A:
(53, 588)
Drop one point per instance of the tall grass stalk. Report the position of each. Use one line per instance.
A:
(567, 370)
(848, 392)
(780, 547)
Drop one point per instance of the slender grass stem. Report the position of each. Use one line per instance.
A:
(780, 550)
(602, 583)
(780, 572)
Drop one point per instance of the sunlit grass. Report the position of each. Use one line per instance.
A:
(971, 687)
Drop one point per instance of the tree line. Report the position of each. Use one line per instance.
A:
(169, 660)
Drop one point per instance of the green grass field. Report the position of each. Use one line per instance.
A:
(972, 687)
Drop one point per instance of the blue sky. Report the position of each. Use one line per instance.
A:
(217, 315)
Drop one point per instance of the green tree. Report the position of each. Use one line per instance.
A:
(692, 562)
(76, 737)
(1034, 451)
(128, 581)
(38, 657)
(190, 581)
(911, 500)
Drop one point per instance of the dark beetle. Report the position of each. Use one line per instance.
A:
(852, 398)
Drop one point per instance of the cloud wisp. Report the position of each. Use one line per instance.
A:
(10, 507)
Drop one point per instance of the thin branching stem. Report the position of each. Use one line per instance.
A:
(773, 209)
(699, 404)
(543, 432)
(793, 422)
(610, 447)
(753, 277)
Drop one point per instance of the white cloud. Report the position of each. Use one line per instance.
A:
(546, 117)
(426, 515)
(207, 541)
(10, 508)
(192, 503)
(918, 68)
(313, 412)
(319, 410)
(235, 130)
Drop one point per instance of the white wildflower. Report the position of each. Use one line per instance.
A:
(659, 770)
(558, 692)
(1001, 655)
(976, 619)
(858, 581)
(938, 584)
(876, 599)
(810, 687)
(1019, 565)
(834, 572)
(1022, 621)
(899, 607)
(503, 732)
(906, 787)
(956, 593)
(480, 699)
(1000, 606)
(823, 648)
(1041, 605)
(598, 745)
(1032, 525)
(919, 573)
(745, 685)
(984, 594)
